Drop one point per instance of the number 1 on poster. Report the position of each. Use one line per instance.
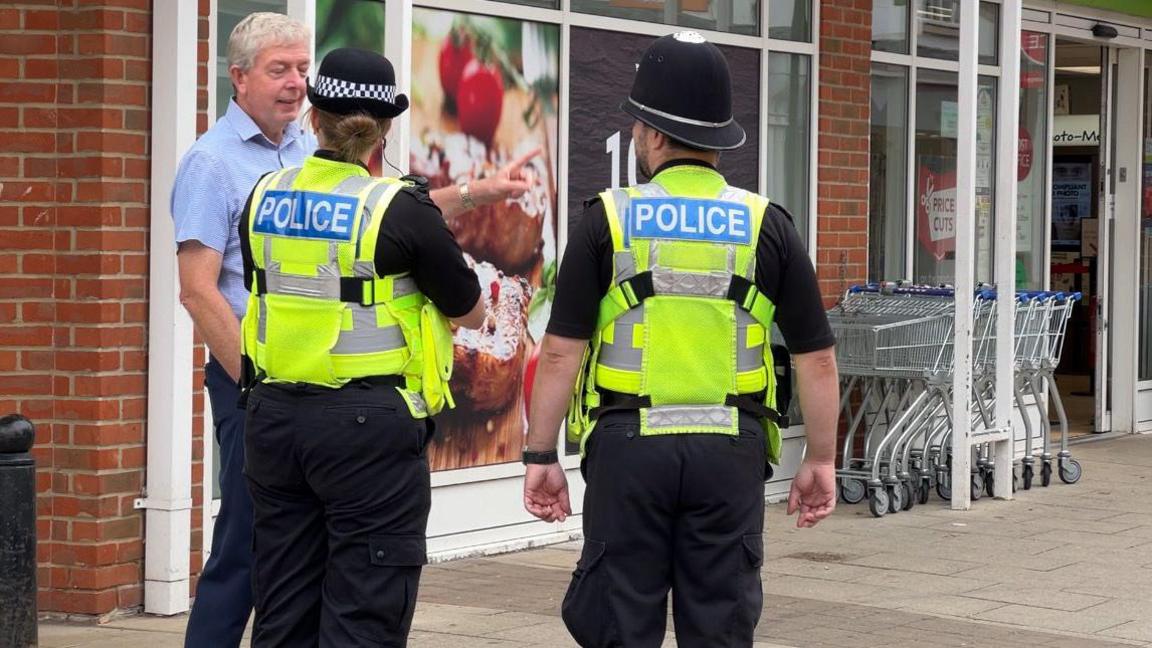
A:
(612, 147)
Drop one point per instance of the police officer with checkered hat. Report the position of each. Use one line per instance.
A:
(660, 339)
(347, 352)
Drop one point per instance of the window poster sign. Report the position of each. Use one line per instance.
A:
(936, 205)
(600, 150)
(1071, 202)
(484, 93)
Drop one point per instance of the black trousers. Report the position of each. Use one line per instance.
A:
(681, 512)
(341, 494)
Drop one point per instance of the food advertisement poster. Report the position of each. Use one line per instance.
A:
(601, 155)
(484, 92)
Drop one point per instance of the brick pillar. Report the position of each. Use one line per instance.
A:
(842, 174)
(74, 312)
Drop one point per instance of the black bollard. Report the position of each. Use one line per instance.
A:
(17, 533)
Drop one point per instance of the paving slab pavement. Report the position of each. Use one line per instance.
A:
(1060, 567)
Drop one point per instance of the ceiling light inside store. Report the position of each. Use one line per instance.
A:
(1079, 69)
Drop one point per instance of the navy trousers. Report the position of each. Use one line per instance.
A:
(224, 593)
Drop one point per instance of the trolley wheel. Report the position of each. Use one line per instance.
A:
(878, 502)
(925, 490)
(895, 498)
(1046, 474)
(1070, 470)
(909, 495)
(944, 487)
(852, 491)
(1026, 472)
(977, 486)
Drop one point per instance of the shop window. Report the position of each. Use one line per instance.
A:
(937, 112)
(890, 26)
(938, 29)
(790, 20)
(789, 133)
(1032, 161)
(349, 23)
(229, 13)
(989, 33)
(736, 16)
(888, 168)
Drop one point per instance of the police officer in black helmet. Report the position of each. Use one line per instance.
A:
(659, 339)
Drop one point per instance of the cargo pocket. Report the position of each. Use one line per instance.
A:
(586, 610)
(396, 563)
(751, 593)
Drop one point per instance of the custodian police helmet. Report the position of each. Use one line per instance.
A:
(684, 90)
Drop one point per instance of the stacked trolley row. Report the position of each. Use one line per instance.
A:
(895, 354)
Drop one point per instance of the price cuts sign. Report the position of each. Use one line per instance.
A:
(936, 211)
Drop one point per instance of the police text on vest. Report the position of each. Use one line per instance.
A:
(306, 214)
(693, 219)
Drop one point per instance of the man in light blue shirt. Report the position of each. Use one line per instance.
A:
(268, 61)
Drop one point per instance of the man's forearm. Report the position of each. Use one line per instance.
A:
(218, 326)
(819, 387)
(556, 372)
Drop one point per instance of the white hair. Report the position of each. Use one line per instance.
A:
(259, 30)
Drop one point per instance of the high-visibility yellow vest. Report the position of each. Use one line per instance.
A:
(683, 328)
(318, 312)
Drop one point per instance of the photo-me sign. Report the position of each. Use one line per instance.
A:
(1076, 130)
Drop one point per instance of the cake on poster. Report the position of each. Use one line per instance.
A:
(485, 92)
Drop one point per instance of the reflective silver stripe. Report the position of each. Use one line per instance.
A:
(366, 336)
(261, 320)
(325, 286)
(734, 194)
(624, 265)
(286, 180)
(704, 416)
(621, 354)
(364, 269)
(652, 190)
(672, 282)
(402, 286)
(747, 359)
(370, 203)
(369, 340)
(352, 185)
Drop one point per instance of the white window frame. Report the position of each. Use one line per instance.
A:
(913, 63)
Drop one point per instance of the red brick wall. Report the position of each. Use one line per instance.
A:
(842, 176)
(74, 218)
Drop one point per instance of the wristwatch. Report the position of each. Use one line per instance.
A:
(466, 197)
(536, 457)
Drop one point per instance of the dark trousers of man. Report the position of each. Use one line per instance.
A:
(341, 488)
(683, 512)
(224, 591)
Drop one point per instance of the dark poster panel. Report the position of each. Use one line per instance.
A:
(603, 64)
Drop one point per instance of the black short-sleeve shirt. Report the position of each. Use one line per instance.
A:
(784, 274)
(415, 239)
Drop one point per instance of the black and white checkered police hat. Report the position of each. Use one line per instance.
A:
(354, 80)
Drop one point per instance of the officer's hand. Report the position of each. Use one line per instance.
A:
(511, 181)
(813, 493)
(546, 492)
